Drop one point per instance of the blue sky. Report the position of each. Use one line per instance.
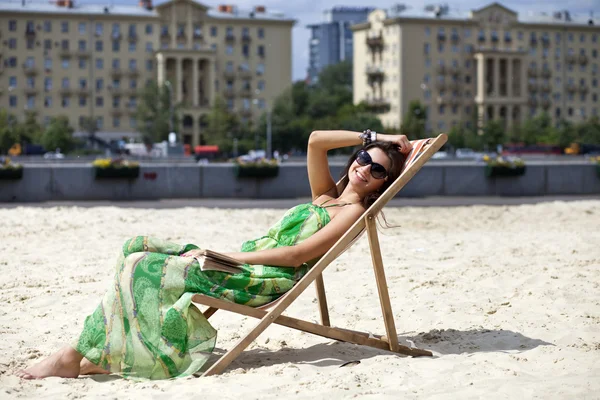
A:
(310, 11)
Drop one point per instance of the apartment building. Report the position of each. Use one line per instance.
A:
(490, 63)
(84, 60)
(331, 40)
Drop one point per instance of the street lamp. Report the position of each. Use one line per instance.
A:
(172, 134)
(269, 130)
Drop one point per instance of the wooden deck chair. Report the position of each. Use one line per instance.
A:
(422, 151)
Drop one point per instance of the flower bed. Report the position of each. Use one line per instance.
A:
(501, 167)
(256, 169)
(10, 170)
(108, 168)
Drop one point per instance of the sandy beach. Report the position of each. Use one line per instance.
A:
(507, 298)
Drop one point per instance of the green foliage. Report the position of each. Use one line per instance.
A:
(89, 125)
(8, 133)
(413, 123)
(58, 134)
(222, 127)
(154, 113)
(493, 134)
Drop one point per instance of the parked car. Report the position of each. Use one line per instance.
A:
(54, 155)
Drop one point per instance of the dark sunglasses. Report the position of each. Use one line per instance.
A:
(378, 171)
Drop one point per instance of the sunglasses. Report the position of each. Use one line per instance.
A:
(378, 171)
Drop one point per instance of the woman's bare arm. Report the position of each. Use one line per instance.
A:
(313, 247)
(319, 143)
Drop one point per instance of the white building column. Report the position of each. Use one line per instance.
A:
(509, 77)
(195, 86)
(179, 79)
(160, 69)
(481, 76)
(210, 90)
(496, 87)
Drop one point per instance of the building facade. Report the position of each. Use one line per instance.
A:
(92, 61)
(331, 40)
(469, 69)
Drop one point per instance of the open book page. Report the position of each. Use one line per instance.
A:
(212, 261)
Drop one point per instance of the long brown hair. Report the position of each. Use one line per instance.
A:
(397, 160)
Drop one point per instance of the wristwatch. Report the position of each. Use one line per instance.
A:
(368, 136)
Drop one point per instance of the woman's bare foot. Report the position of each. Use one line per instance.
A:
(88, 368)
(64, 363)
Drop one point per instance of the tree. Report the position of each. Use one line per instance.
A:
(154, 113)
(538, 130)
(413, 123)
(8, 133)
(59, 135)
(222, 126)
(493, 134)
(89, 125)
(29, 130)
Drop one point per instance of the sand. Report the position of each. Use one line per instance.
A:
(507, 298)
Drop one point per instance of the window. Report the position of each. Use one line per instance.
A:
(47, 84)
(116, 31)
(64, 63)
(149, 29)
(82, 28)
(467, 32)
(30, 102)
(99, 45)
(132, 47)
(64, 27)
(428, 62)
(30, 43)
(12, 62)
(213, 31)
(427, 31)
(83, 83)
(261, 50)
(246, 50)
(99, 84)
(47, 63)
(571, 37)
(100, 122)
(455, 48)
(582, 38)
(132, 122)
(116, 46)
(47, 26)
(30, 82)
(441, 109)
(82, 63)
(149, 47)
(261, 85)
(65, 101)
(440, 47)
(99, 101)
(261, 33)
(229, 31)
(82, 101)
(116, 122)
(12, 82)
(12, 101)
(64, 44)
(149, 65)
(12, 43)
(426, 48)
(132, 64)
(260, 69)
(48, 101)
(47, 44)
(99, 29)
(229, 50)
(133, 84)
(116, 102)
(12, 25)
(65, 83)
(116, 63)
(99, 63)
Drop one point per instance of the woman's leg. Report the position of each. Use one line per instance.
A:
(64, 363)
(89, 368)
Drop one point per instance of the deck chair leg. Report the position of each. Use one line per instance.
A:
(320, 285)
(384, 297)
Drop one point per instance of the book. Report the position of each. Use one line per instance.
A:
(212, 261)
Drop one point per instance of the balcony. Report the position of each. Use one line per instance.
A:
(532, 72)
(532, 86)
(82, 53)
(533, 41)
(545, 41)
(116, 72)
(455, 37)
(583, 89)
(378, 104)
(229, 74)
(65, 52)
(132, 91)
(30, 33)
(481, 38)
(30, 70)
(116, 36)
(181, 36)
(375, 72)
(441, 36)
(546, 73)
(132, 37)
(230, 37)
(83, 91)
(375, 41)
(245, 73)
(570, 58)
(165, 35)
(533, 102)
(570, 87)
(454, 70)
(133, 72)
(65, 90)
(246, 39)
(116, 112)
(583, 59)
(198, 35)
(545, 87)
(115, 90)
(246, 92)
(229, 92)
(31, 90)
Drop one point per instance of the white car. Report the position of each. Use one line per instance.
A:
(51, 155)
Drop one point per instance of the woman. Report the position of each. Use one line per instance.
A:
(146, 325)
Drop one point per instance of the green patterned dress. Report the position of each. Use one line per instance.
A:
(146, 326)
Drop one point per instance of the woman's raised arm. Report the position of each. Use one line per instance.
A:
(319, 175)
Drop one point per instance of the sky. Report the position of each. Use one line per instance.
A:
(309, 12)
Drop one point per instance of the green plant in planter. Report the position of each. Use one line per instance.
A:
(10, 170)
(503, 166)
(262, 168)
(105, 168)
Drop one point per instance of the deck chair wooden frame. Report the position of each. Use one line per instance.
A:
(389, 342)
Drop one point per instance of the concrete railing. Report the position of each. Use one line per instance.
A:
(163, 181)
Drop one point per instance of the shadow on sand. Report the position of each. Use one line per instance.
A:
(440, 342)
